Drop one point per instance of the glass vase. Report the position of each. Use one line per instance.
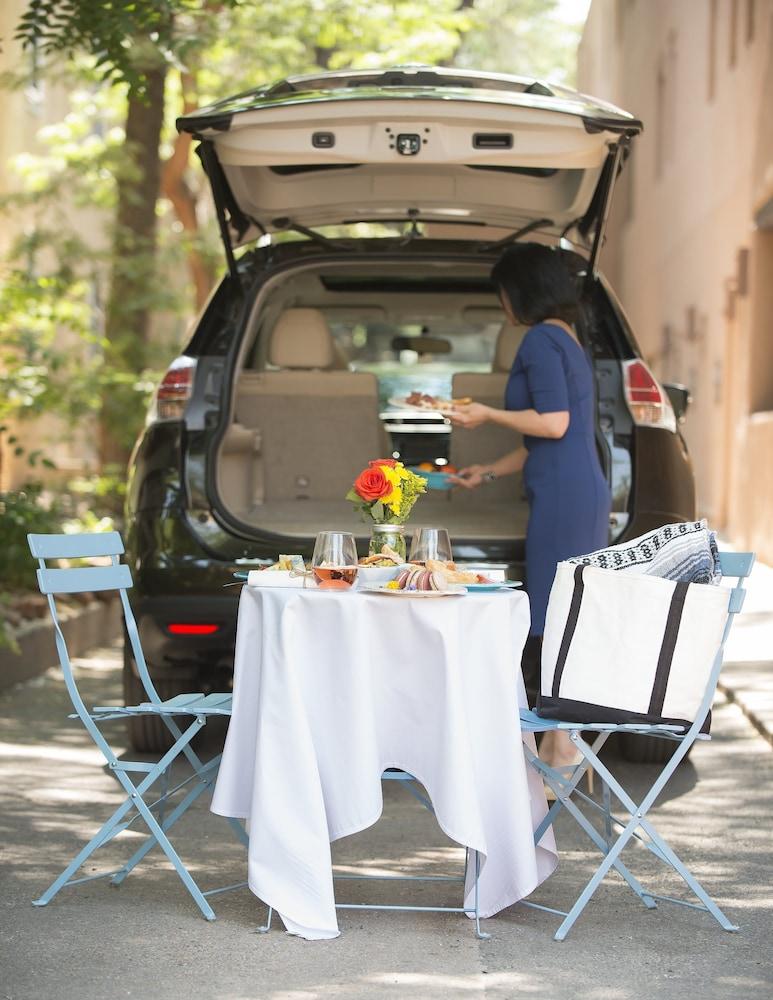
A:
(392, 535)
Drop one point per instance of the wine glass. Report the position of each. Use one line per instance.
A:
(430, 543)
(334, 563)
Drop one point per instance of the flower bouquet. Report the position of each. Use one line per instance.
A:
(384, 494)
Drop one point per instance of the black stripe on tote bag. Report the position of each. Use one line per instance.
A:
(554, 706)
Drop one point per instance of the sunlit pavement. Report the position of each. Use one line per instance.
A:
(146, 938)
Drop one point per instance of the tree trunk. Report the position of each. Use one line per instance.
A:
(175, 188)
(133, 271)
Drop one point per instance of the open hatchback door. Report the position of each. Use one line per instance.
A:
(416, 144)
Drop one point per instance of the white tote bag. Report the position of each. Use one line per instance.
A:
(628, 648)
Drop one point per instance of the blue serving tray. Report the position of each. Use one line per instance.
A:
(435, 480)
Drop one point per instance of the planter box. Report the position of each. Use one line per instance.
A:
(95, 624)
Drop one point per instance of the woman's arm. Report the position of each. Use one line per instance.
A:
(507, 465)
(548, 425)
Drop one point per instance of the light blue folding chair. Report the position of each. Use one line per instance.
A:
(198, 707)
(635, 826)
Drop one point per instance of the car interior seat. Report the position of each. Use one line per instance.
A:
(315, 425)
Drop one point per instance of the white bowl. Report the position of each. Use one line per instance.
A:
(370, 575)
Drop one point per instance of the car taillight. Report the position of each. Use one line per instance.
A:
(192, 628)
(648, 403)
(174, 391)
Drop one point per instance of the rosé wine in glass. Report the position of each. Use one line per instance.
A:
(334, 562)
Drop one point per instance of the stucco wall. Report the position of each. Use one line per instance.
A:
(683, 251)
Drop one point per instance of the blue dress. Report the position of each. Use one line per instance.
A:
(568, 496)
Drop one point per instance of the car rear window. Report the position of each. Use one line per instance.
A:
(408, 357)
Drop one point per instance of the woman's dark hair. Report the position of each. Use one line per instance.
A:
(537, 284)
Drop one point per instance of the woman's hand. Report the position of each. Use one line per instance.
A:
(470, 415)
(470, 477)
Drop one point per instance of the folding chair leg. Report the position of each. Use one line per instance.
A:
(82, 856)
(135, 800)
(174, 857)
(135, 794)
(606, 801)
(584, 823)
(179, 811)
(638, 819)
(166, 824)
(164, 794)
(238, 829)
(678, 865)
(590, 888)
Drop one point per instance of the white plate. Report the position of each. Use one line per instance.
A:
(455, 592)
(494, 585)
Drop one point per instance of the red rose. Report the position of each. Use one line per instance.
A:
(389, 462)
(372, 484)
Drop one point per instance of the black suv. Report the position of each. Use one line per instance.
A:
(375, 204)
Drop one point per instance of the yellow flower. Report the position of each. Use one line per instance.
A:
(393, 499)
(391, 475)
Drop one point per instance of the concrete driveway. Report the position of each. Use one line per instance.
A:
(147, 940)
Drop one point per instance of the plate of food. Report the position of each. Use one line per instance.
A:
(287, 571)
(429, 404)
(413, 580)
(396, 592)
(454, 574)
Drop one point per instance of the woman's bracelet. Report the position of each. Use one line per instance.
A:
(489, 477)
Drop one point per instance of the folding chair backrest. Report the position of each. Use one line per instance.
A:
(117, 577)
(732, 564)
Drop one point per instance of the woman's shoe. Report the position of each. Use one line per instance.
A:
(556, 743)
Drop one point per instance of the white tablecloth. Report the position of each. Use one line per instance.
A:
(330, 689)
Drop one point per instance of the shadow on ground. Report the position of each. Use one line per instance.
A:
(146, 938)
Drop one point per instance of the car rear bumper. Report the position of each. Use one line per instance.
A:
(170, 653)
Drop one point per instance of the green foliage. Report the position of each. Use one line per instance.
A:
(99, 498)
(302, 36)
(53, 357)
(104, 28)
(33, 458)
(524, 37)
(53, 286)
(21, 512)
(32, 509)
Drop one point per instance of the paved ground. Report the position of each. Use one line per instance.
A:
(747, 675)
(146, 939)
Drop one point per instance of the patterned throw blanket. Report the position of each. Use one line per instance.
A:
(686, 552)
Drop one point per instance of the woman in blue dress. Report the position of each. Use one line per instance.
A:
(549, 399)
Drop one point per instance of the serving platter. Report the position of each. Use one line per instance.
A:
(436, 479)
(451, 592)
(402, 404)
